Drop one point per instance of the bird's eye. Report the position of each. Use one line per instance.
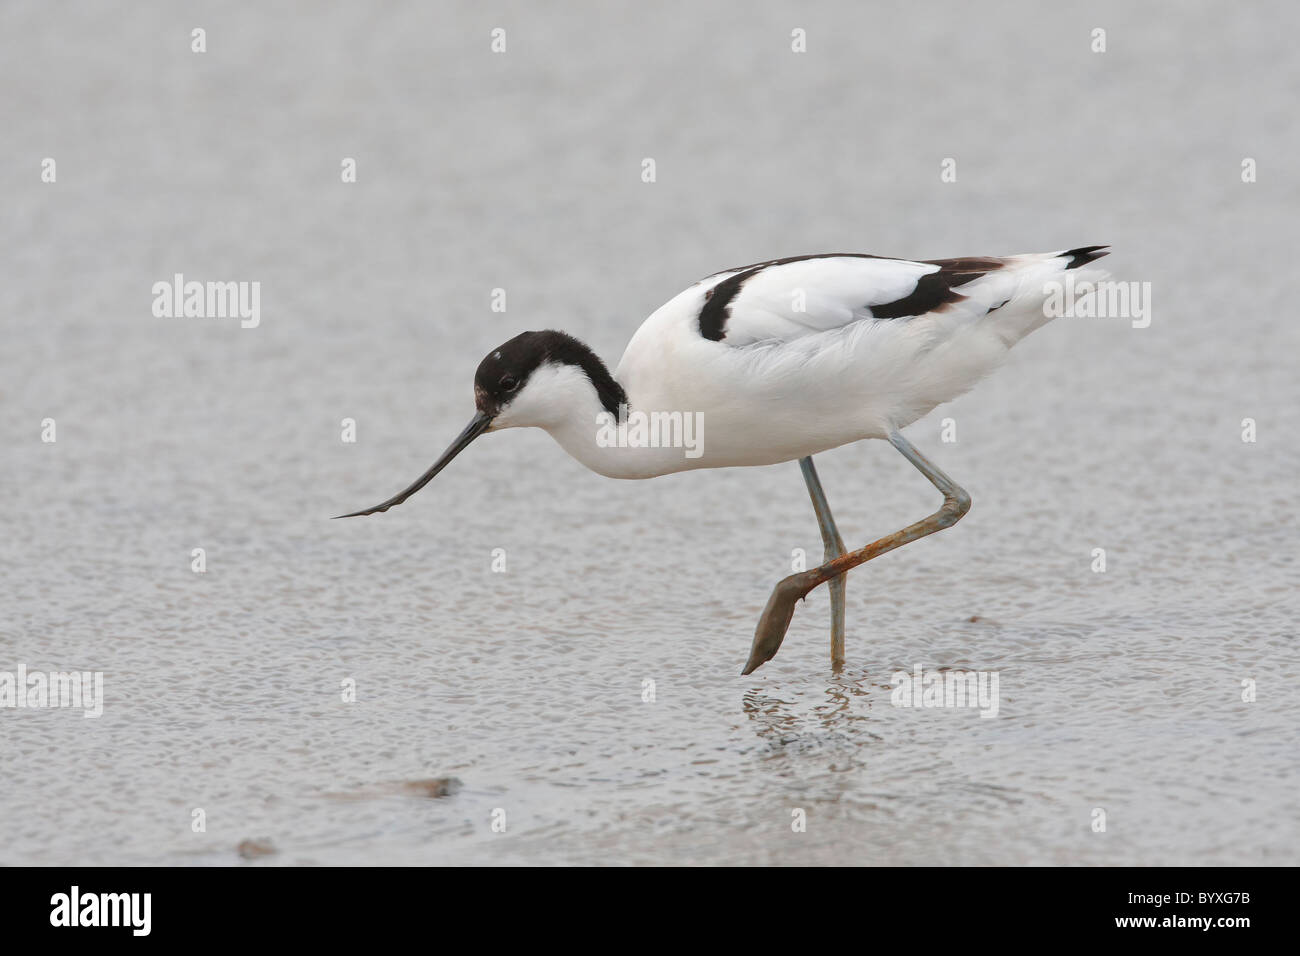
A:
(509, 383)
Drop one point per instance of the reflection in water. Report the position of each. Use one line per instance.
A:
(828, 715)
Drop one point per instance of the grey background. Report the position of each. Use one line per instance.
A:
(1119, 690)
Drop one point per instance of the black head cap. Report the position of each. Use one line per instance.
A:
(505, 369)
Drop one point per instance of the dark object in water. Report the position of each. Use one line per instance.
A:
(252, 849)
(433, 787)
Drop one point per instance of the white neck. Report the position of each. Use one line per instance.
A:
(561, 399)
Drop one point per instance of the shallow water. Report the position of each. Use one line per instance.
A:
(1118, 690)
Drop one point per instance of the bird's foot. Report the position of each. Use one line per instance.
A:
(776, 617)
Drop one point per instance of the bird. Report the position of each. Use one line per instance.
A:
(774, 362)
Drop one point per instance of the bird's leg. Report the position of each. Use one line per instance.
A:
(775, 620)
(833, 546)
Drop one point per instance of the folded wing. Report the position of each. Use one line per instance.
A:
(786, 299)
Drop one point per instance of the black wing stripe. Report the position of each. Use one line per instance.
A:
(935, 292)
(932, 293)
(717, 303)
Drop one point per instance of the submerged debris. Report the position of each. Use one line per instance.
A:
(433, 787)
(252, 849)
(428, 787)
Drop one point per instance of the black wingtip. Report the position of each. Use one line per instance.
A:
(1084, 255)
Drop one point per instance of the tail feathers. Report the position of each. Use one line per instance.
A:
(1084, 255)
(1026, 289)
